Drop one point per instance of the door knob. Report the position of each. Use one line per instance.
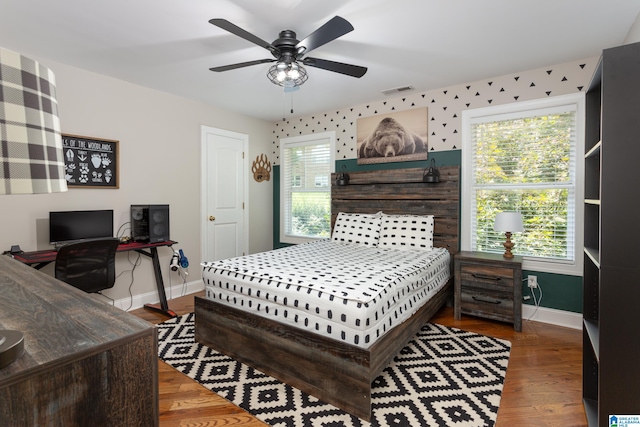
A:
(212, 218)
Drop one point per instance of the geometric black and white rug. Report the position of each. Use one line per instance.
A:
(443, 377)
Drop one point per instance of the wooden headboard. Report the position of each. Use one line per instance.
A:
(401, 191)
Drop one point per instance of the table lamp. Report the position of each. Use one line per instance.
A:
(509, 222)
(31, 157)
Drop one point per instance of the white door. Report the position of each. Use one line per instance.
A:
(224, 190)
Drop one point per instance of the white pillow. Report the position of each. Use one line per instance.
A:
(406, 232)
(358, 229)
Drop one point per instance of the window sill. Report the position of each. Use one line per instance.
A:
(555, 267)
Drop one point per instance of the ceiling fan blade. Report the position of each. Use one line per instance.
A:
(234, 29)
(331, 30)
(337, 67)
(240, 65)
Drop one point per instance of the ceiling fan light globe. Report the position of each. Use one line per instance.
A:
(287, 74)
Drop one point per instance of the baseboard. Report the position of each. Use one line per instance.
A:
(567, 319)
(152, 297)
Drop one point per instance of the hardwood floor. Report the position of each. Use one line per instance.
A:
(543, 386)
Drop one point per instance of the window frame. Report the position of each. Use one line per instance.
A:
(297, 141)
(576, 101)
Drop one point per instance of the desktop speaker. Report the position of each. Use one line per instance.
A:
(150, 223)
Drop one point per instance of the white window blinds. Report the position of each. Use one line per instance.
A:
(306, 166)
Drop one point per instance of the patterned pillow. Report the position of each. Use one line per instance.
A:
(358, 229)
(406, 232)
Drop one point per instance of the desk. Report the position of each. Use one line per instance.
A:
(39, 259)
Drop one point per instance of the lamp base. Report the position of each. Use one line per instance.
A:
(11, 346)
(508, 245)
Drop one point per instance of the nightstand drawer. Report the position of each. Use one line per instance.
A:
(492, 277)
(495, 305)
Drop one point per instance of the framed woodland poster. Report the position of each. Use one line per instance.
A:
(90, 162)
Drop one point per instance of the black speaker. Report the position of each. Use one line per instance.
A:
(150, 223)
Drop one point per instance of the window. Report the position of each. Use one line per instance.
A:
(306, 164)
(526, 157)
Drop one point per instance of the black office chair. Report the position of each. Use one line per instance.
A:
(88, 265)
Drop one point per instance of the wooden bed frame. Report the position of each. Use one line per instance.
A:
(332, 371)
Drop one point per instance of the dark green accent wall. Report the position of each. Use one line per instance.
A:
(276, 208)
(559, 291)
(442, 158)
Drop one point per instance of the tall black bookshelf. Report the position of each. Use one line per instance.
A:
(611, 285)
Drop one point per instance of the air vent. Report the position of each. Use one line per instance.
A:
(397, 90)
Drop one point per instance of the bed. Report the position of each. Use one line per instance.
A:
(328, 348)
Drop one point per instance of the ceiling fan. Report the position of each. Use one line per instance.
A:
(288, 52)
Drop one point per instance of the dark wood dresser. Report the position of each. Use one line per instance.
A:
(85, 362)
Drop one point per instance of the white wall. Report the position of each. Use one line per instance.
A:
(159, 144)
(634, 32)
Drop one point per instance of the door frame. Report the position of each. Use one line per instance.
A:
(203, 185)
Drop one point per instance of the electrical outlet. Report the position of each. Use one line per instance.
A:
(532, 281)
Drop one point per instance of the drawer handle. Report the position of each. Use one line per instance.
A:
(475, 298)
(485, 276)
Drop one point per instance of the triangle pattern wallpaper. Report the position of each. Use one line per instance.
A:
(444, 106)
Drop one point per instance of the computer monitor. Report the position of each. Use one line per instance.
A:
(73, 226)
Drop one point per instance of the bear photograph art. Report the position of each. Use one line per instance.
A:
(393, 137)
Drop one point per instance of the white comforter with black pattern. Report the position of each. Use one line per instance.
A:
(346, 292)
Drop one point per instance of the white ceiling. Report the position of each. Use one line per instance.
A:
(169, 45)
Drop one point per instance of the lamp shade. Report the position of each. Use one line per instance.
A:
(31, 156)
(508, 222)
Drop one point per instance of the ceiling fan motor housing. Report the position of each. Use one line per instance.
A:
(286, 45)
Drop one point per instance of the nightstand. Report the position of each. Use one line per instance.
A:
(488, 285)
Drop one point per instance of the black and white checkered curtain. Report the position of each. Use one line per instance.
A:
(31, 156)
